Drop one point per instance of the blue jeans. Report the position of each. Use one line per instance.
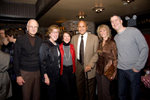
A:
(128, 79)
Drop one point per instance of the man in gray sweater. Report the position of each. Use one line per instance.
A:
(132, 56)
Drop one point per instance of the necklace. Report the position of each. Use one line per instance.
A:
(65, 55)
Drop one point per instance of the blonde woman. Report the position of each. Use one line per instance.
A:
(107, 55)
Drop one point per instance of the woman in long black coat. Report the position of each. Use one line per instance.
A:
(50, 62)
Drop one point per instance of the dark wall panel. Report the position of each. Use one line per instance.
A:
(18, 10)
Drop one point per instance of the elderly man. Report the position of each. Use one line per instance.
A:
(132, 56)
(26, 62)
(85, 45)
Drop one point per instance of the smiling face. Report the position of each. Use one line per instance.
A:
(103, 33)
(32, 27)
(116, 23)
(82, 27)
(66, 37)
(54, 35)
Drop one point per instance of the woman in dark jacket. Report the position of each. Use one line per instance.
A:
(50, 61)
(107, 53)
(12, 35)
(68, 67)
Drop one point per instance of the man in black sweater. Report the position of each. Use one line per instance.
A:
(26, 62)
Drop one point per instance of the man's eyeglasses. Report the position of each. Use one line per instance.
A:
(33, 27)
(55, 32)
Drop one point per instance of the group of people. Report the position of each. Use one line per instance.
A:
(79, 62)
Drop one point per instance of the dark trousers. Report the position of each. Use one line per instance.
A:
(31, 88)
(68, 80)
(52, 89)
(128, 79)
(103, 87)
(16, 91)
(82, 84)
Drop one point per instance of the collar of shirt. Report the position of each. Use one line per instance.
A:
(84, 36)
(122, 31)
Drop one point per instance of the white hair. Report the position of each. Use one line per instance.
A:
(32, 20)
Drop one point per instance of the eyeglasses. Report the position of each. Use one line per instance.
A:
(2, 33)
(33, 26)
(55, 32)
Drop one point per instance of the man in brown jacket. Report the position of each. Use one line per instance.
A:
(86, 62)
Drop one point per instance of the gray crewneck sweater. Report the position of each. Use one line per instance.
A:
(132, 49)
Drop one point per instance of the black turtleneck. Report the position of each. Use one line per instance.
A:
(66, 44)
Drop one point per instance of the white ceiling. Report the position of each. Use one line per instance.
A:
(66, 10)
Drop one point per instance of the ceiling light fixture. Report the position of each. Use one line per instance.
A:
(127, 1)
(81, 16)
(98, 9)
